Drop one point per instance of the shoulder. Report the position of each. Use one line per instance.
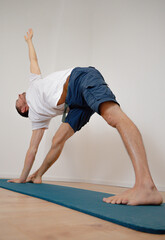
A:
(37, 120)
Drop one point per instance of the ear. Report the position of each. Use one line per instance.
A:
(23, 109)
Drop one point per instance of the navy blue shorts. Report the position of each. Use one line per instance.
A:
(87, 89)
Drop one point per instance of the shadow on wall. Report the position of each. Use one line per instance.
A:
(95, 154)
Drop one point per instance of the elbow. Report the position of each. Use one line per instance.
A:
(33, 59)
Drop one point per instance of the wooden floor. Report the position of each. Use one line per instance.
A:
(26, 218)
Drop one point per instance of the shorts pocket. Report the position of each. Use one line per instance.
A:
(97, 92)
(93, 80)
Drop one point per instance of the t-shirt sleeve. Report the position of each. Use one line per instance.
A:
(33, 77)
(42, 124)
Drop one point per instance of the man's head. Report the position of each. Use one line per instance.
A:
(21, 105)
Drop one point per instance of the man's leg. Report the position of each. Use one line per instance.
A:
(144, 190)
(62, 135)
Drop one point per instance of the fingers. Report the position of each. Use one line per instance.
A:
(14, 180)
(11, 180)
(30, 30)
(29, 34)
(116, 200)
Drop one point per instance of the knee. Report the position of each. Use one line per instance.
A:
(111, 114)
(111, 120)
(57, 141)
(62, 135)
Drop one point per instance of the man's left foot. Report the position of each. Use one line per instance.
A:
(137, 196)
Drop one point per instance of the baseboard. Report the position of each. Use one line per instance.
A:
(97, 181)
(93, 181)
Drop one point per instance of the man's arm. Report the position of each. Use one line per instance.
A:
(30, 155)
(34, 67)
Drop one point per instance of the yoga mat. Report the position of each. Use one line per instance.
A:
(150, 219)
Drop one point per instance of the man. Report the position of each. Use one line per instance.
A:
(85, 92)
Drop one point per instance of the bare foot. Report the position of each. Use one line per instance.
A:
(137, 196)
(34, 179)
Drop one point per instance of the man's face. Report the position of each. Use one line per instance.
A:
(21, 102)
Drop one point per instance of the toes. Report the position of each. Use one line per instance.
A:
(124, 201)
(119, 201)
(113, 200)
(133, 203)
(108, 200)
(116, 200)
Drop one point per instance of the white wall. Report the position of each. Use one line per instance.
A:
(128, 47)
(124, 39)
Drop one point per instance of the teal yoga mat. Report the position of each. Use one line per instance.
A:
(150, 219)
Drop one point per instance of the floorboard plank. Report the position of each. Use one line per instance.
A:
(26, 218)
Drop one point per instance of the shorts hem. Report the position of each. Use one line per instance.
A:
(70, 125)
(96, 105)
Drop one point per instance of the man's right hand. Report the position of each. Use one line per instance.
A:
(29, 35)
(17, 180)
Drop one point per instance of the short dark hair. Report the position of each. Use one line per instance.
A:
(25, 114)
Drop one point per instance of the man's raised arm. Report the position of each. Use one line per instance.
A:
(30, 155)
(34, 67)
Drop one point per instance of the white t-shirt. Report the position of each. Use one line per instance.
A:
(43, 95)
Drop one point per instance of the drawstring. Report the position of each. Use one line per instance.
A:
(64, 113)
(66, 105)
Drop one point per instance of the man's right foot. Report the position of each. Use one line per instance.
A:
(137, 196)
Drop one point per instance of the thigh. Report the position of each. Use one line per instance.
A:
(63, 133)
(98, 94)
(109, 107)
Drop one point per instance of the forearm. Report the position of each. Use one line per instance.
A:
(29, 160)
(51, 157)
(32, 52)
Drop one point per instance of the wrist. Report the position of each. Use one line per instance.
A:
(29, 40)
(22, 181)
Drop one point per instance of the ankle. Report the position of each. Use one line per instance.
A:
(38, 175)
(147, 184)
